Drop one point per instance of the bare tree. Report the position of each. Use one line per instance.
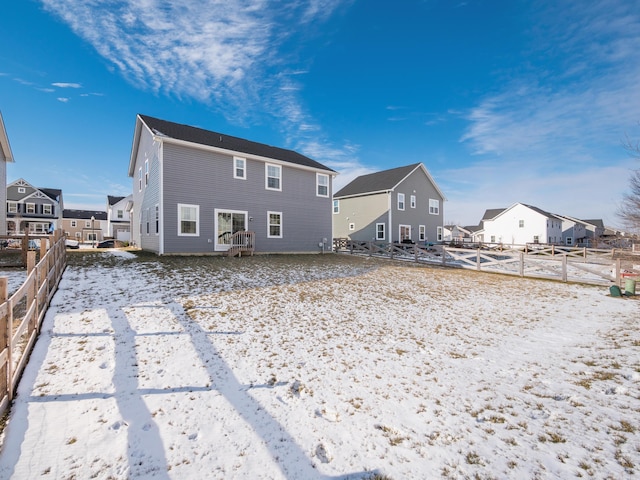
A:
(629, 210)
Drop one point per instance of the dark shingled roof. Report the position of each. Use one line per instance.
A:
(52, 193)
(111, 200)
(492, 213)
(376, 182)
(83, 214)
(214, 139)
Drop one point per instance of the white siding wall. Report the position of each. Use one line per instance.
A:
(505, 228)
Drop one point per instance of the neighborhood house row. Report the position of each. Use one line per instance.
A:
(193, 189)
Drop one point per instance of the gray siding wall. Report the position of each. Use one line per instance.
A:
(198, 177)
(145, 199)
(419, 183)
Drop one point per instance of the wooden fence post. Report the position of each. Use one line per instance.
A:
(564, 268)
(478, 259)
(4, 338)
(618, 273)
(522, 264)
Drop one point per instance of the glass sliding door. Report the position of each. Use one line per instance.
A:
(228, 222)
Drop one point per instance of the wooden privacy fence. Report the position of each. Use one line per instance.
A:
(21, 314)
(575, 264)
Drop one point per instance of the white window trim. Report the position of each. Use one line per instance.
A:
(352, 226)
(73, 224)
(318, 185)
(439, 234)
(434, 206)
(401, 201)
(29, 206)
(266, 177)
(412, 201)
(244, 168)
(422, 233)
(44, 208)
(146, 173)
(407, 227)
(140, 179)
(269, 225)
(12, 207)
(384, 231)
(197, 208)
(22, 190)
(336, 207)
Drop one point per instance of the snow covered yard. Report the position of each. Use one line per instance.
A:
(324, 367)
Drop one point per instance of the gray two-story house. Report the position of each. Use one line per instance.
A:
(400, 204)
(194, 190)
(33, 210)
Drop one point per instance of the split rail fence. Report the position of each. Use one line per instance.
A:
(22, 313)
(566, 264)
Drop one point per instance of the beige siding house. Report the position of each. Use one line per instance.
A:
(400, 204)
(85, 226)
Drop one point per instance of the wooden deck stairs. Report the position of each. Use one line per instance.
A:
(242, 242)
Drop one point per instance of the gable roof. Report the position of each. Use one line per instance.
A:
(501, 211)
(492, 213)
(383, 181)
(166, 130)
(111, 200)
(83, 214)
(4, 142)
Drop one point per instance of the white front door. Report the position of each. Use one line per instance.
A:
(228, 222)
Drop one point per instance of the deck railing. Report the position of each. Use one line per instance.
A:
(242, 242)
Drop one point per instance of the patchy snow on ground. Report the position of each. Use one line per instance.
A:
(324, 367)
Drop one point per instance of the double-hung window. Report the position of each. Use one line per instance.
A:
(47, 209)
(188, 220)
(401, 201)
(380, 235)
(412, 200)
(157, 219)
(336, 206)
(73, 224)
(273, 177)
(422, 233)
(140, 179)
(120, 214)
(146, 173)
(12, 207)
(31, 208)
(240, 168)
(274, 227)
(322, 185)
(434, 206)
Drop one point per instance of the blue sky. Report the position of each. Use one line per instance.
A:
(504, 101)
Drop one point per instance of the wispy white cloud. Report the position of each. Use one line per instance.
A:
(218, 52)
(63, 99)
(66, 85)
(542, 134)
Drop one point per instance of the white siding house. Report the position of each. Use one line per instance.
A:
(520, 224)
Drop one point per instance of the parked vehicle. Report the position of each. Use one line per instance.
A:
(110, 244)
(72, 243)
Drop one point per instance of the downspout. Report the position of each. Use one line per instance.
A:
(161, 199)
